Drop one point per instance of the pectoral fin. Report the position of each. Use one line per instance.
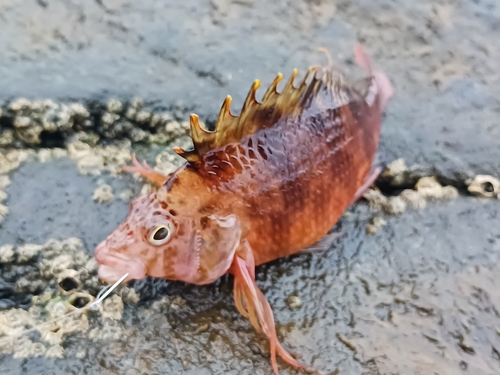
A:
(252, 304)
(145, 171)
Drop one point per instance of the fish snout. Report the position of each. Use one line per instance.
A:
(113, 265)
(100, 252)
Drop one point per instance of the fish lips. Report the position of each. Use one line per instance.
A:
(112, 266)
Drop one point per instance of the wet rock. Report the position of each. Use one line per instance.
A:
(485, 186)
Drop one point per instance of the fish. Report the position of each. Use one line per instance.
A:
(263, 185)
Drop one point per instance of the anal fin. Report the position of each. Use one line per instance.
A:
(323, 244)
(378, 165)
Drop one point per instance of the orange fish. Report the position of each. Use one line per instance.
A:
(264, 185)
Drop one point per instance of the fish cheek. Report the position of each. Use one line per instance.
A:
(219, 239)
(168, 256)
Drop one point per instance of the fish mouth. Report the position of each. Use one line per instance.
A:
(112, 266)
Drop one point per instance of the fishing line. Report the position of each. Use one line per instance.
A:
(91, 306)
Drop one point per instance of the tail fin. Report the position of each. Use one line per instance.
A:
(252, 304)
(384, 86)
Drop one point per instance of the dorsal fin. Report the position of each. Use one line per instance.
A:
(253, 116)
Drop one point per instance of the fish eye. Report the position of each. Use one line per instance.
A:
(160, 235)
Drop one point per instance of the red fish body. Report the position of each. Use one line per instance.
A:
(264, 185)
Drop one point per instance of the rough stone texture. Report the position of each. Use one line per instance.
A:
(419, 296)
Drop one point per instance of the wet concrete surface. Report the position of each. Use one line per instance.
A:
(419, 297)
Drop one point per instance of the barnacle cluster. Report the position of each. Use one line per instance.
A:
(61, 278)
(396, 175)
(33, 123)
(4, 183)
(426, 188)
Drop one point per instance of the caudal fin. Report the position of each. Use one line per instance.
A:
(252, 304)
(384, 86)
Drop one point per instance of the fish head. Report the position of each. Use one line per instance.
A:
(165, 239)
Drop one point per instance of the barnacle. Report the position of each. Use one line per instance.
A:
(80, 300)
(69, 282)
(485, 186)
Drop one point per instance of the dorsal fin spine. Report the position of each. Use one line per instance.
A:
(191, 156)
(289, 84)
(309, 71)
(225, 110)
(273, 88)
(251, 98)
